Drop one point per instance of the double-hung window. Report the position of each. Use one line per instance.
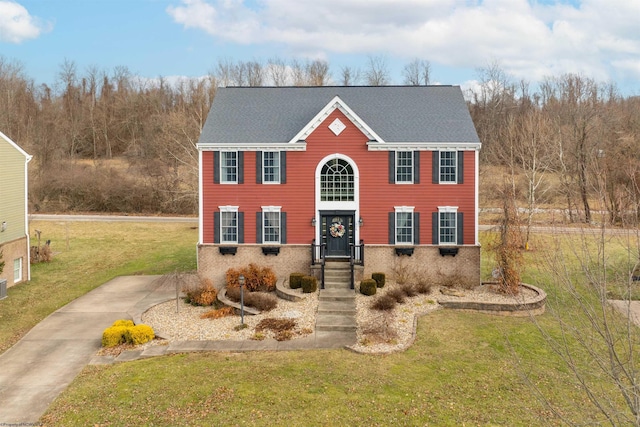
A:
(271, 224)
(448, 167)
(271, 167)
(448, 226)
(228, 224)
(404, 226)
(404, 167)
(17, 270)
(229, 167)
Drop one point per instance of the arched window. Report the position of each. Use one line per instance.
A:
(337, 181)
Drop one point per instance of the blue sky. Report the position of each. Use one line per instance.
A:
(528, 39)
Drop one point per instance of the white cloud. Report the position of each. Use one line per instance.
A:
(529, 38)
(17, 25)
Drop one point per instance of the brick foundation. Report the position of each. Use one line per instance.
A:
(463, 268)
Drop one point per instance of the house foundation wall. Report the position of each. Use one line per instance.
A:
(462, 269)
(11, 251)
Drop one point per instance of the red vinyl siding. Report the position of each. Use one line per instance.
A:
(377, 196)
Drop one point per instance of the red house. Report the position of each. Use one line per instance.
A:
(293, 177)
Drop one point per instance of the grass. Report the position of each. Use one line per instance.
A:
(463, 369)
(86, 255)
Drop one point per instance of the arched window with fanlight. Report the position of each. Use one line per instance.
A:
(337, 183)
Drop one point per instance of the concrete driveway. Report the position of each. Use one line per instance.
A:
(45, 361)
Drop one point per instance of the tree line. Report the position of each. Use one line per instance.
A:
(114, 141)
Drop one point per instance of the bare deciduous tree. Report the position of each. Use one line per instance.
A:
(417, 73)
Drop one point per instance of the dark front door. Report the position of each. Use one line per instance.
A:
(337, 233)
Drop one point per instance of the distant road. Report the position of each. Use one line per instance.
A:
(112, 218)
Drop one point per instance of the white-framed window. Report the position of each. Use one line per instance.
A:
(447, 225)
(229, 167)
(17, 270)
(271, 224)
(271, 167)
(228, 224)
(404, 167)
(404, 224)
(337, 181)
(448, 167)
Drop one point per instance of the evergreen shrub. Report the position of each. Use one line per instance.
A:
(309, 284)
(380, 279)
(295, 280)
(368, 287)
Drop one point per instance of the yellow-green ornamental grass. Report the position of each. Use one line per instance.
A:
(124, 331)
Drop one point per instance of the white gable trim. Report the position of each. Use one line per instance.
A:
(336, 103)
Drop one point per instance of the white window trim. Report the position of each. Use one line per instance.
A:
(222, 175)
(277, 156)
(404, 209)
(17, 270)
(455, 157)
(229, 208)
(277, 209)
(412, 167)
(448, 209)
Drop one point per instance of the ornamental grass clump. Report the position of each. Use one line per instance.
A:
(380, 279)
(368, 287)
(384, 303)
(398, 294)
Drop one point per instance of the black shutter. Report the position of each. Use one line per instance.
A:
(216, 167)
(392, 167)
(392, 228)
(240, 167)
(258, 167)
(416, 228)
(435, 169)
(216, 227)
(460, 228)
(240, 227)
(435, 236)
(460, 170)
(283, 167)
(416, 167)
(283, 228)
(258, 227)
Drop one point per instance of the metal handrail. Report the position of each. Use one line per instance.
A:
(322, 257)
(356, 257)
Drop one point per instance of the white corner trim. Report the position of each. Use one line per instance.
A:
(335, 103)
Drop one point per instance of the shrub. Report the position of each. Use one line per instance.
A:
(113, 336)
(256, 278)
(409, 290)
(380, 279)
(309, 284)
(139, 334)
(125, 323)
(423, 287)
(368, 287)
(397, 294)
(262, 301)
(384, 303)
(295, 280)
(218, 313)
(202, 293)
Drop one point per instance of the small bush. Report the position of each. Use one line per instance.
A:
(218, 313)
(368, 287)
(262, 301)
(125, 323)
(380, 279)
(384, 303)
(256, 278)
(409, 290)
(397, 294)
(295, 280)
(201, 293)
(139, 334)
(114, 335)
(423, 287)
(309, 284)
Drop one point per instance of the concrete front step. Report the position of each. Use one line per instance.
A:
(336, 322)
(337, 295)
(336, 307)
(338, 286)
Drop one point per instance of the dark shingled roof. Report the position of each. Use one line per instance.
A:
(246, 115)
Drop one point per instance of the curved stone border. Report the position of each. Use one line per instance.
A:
(222, 297)
(533, 307)
(287, 293)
